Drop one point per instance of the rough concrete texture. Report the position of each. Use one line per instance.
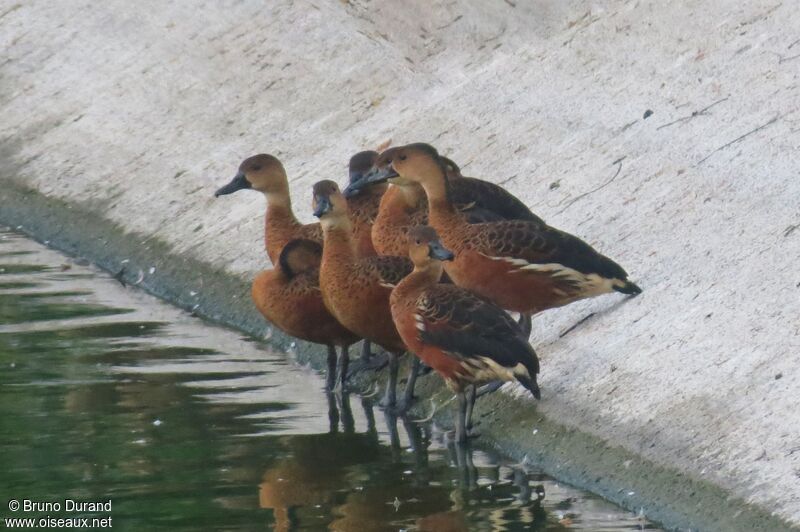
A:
(140, 110)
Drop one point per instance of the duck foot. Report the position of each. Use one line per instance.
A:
(375, 363)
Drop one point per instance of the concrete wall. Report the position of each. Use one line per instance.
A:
(138, 111)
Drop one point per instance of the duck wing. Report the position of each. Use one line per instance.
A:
(490, 197)
(534, 246)
(468, 326)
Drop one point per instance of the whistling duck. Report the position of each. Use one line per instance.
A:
(405, 206)
(363, 207)
(521, 266)
(356, 289)
(464, 337)
(289, 297)
(265, 173)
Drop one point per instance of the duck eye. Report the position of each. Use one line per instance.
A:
(402, 157)
(418, 242)
(256, 168)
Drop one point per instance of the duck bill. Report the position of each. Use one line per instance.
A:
(239, 182)
(380, 175)
(439, 252)
(323, 206)
(355, 186)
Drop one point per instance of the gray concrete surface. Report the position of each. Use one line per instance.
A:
(138, 111)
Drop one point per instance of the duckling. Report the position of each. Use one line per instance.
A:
(356, 289)
(289, 297)
(464, 337)
(266, 174)
(522, 266)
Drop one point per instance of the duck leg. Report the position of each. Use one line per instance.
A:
(333, 413)
(366, 351)
(525, 323)
(390, 396)
(344, 362)
(461, 420)
(408, 393)
(369, 360)
(490, 388)
(330, 378)
(471, 396)
(348, 422)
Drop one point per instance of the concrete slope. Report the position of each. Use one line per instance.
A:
(667, 134)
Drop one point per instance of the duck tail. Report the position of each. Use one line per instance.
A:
(627, 287)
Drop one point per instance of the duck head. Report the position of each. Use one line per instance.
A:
(424, 247)
(404, 165)
(261, 172)
(360, 165)
(300, 256)
(329, 204)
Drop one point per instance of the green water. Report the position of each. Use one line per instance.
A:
(109, 394)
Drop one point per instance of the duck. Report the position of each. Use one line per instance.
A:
(266, 174)
(289, 297)
(520, 265)
(404, 206)
(363, 208)
(464, 337)
(356, 289)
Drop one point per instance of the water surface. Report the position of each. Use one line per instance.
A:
(108, 393)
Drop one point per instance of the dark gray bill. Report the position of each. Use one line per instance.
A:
(239, 182)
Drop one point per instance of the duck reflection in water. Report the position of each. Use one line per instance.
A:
(365, 481)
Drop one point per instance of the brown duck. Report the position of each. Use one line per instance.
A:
(464, 337)
(523, 266)
(405, 206)
(266, 174)
(356, 289)
(289, 297)
(363, 208)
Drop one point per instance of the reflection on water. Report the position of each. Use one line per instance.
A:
(106, 392)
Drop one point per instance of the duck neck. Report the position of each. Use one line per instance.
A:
(280, 222)
(338, 245)
(421, 278)
(410, 196)
(442, 214)
(401, 202)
